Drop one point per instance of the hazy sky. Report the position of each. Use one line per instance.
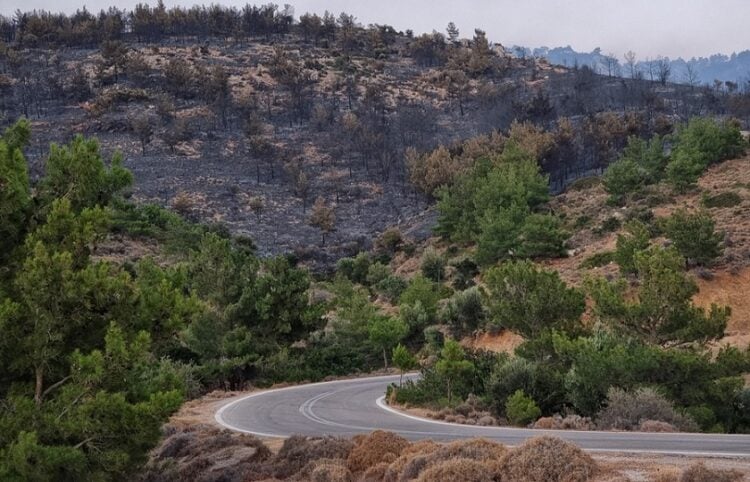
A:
(649, 27)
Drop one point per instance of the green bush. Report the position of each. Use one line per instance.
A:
(423, 290)
(598, 259)
(376, 273)
(609, 225)
(391, 287)
(521, 409)
(725, 199)
(623, 177)
(465, 271)
(433, 265)
(464, 311)
(697, 145)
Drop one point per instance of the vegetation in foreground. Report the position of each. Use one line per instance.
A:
(201, 453)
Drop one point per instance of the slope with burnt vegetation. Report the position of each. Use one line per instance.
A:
(246, 117)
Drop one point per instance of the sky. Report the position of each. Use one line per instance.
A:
(673, 28)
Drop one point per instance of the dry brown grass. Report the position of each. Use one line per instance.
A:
(377, 447)
(547, 459)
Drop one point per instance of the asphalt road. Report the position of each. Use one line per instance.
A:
(349, 407)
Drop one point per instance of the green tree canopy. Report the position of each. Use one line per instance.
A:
(528, 300)
(694, 236)
(663, 313)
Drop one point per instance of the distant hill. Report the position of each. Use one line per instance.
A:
(734, 68)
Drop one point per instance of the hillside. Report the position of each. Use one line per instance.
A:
(213, 199)
(248, 124)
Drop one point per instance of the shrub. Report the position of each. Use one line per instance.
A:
(464, 311)
(584, 183)
(529, 300)
(391, 287)
(376, 273)
(725, 199)
(541, 236)
(694, 236)
(458, 470)
(569, 422)
(415, 316)
(389, 241)
(684, 170)
(465, 271)
(478, 449)
(636, 238)
(299, 450)
(433, 265)
(623, 177)
(627, 410)
(597, 260)
(700, 473)
(375, 448)
(541, 460)
(521, 409)
(656, 426)
(330, 472)
(507, 378)
(355, 269)
(609, 225)
(423, 290)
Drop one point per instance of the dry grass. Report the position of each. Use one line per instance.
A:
(547, 459)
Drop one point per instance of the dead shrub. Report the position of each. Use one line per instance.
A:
(415, 450)
(545, 423)
(458, 470)
(626, 410)
(299, 450)
(668, 474)
(486, 420)
(331, 472)
(414, 467)
(376, 473)
(479, 449)
(656, 426)
(182, 203)
(205, 453)
(569, 422)
(377, 447)
(546, 459)
(700, 473)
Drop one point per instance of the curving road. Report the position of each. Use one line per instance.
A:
(349, 407)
